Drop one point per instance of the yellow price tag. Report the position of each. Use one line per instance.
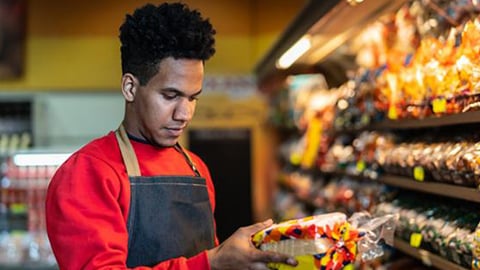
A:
(418, 173)
(392, 112)
(295, 159)
(361, 166)
(439, 105)
(365, 120)
(349, 267)
(415, 240)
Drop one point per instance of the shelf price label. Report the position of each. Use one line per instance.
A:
(392, 112)
(418, 173)
(295, 159)
(415, 240)
(439, 105)
(365, 120)
(361, 166)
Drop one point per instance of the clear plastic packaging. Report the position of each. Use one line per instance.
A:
(328, 241)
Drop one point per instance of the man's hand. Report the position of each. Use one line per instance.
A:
(238, 252)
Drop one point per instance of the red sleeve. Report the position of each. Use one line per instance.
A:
(86, 209)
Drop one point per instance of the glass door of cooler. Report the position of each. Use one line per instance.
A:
(24, 180)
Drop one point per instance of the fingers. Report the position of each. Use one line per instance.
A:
(268, 256)
(258, 226)
(259, 266)
(274, 257)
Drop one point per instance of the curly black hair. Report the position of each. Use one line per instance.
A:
(153, 33)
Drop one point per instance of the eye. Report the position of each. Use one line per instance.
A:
(170, 95)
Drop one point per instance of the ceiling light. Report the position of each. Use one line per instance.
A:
(292, 54)
(354, 2)
(39, 159)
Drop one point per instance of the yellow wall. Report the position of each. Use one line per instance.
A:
(73, 45)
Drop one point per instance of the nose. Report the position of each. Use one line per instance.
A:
(184, 109)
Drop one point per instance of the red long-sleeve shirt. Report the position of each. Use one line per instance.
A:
(88, 201)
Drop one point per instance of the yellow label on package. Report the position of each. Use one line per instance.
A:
(314, 135)
(476, 249)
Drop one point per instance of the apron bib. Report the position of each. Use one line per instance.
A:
(169, 216)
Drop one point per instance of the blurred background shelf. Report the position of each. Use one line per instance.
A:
(426, 257)
(447, 190)
(429, 122)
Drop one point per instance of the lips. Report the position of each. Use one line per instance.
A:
(174, 132)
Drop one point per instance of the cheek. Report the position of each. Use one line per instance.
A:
(193, 105)
(159, 111)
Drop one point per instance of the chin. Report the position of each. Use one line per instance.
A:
(166, 142)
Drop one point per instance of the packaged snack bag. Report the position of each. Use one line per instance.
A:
(476, 249)
(328, 241)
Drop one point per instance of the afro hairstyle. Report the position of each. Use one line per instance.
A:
(153, 33)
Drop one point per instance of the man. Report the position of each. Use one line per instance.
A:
(134, 198)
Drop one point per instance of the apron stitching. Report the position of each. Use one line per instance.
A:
(131, 221)
(173, 184)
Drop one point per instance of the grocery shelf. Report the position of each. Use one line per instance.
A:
(472, 117)
(448, 190)
(429, 122)
(428, 258)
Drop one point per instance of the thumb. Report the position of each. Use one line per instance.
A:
(258, 226)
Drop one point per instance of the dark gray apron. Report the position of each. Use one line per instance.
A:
(169, 216)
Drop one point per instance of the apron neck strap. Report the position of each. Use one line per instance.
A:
(128, 155)
(188, 158)
(130, 159)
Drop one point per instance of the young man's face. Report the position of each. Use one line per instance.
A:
(162, 109)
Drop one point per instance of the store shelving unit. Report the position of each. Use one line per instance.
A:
(16, 135)
(426, 257)
(469, 194)
(323, 25)
(446, 190)
(471, 117)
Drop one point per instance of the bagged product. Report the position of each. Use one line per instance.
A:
(328, 241)
(476, 249)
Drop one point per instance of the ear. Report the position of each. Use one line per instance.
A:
(129, 86)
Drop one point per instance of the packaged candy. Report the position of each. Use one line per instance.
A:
(476, 249)
(328, 241)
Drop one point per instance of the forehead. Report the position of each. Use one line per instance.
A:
(185, 75)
